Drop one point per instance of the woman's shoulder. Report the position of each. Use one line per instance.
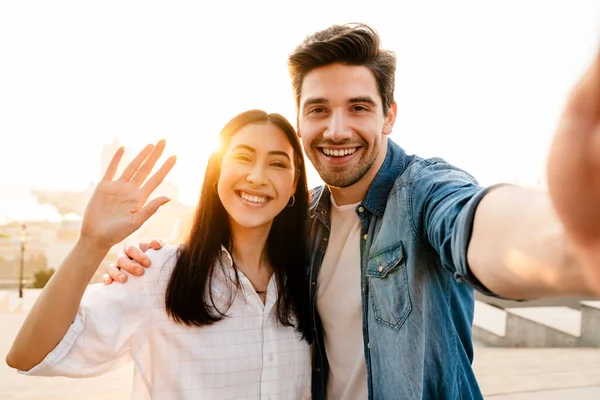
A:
(162, 255)
(162, 260)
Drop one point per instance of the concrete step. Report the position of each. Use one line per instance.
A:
(590, 323)
(489, 325)
(536, 326)
(543, 327)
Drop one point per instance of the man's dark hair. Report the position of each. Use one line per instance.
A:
(350, 44)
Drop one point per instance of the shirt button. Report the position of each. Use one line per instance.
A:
(369, 345)
(361, 209)
(366, 236)
(318, 369)
(380, 268)
(313, 283)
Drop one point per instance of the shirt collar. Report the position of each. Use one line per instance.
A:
(321, 197)
(226, 257)
(379, 191)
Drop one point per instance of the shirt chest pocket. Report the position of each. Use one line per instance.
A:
(389, 297)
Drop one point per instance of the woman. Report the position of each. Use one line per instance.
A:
(225, 314)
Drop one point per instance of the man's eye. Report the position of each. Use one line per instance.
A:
(316, 110)
(359, 108)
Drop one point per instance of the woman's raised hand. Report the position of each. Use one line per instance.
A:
(118, 207)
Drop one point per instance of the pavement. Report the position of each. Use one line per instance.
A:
(503, 374)
(115, 385)
(536, 374)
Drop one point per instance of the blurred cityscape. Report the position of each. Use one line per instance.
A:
(42, 243)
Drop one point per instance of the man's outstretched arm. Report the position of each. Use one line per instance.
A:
(519, 248)
(527, 243)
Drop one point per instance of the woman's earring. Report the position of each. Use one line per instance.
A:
(293, 201)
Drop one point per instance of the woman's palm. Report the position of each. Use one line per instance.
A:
(118, 207)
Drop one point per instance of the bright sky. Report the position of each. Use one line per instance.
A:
(481, 85)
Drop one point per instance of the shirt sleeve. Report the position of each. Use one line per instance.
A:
(443, 203)
(107, 330)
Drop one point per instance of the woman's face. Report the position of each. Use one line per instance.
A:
(257, 175)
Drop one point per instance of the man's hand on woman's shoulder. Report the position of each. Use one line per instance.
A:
(131, 260)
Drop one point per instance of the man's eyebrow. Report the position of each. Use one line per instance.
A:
(315, 100)
(359, 99)
(272, 152)
(362, 99)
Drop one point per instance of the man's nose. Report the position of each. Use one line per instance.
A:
(337, 128)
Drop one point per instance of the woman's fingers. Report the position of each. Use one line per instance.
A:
(159, 176)
(111, 170)
(149, 209)
(134, 165)
(142, 173)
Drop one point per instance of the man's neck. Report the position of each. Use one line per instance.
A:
(358, 191)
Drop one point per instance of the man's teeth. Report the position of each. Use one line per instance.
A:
(253, 199)
(338, 153)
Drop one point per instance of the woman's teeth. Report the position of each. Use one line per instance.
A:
(253, 199)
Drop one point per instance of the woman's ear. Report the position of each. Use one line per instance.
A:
(296, 179)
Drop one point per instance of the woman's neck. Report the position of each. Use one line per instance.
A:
(249, 247)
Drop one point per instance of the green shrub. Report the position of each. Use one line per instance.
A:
(41, 277)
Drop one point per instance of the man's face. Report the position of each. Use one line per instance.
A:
(341, 122)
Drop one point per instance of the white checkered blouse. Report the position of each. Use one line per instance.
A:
(247, 355)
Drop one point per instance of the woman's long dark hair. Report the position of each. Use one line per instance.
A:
(189, 297)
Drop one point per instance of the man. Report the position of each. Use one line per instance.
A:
(398, 242)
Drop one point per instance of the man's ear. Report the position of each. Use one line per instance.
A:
(390, 119)
(298, 119)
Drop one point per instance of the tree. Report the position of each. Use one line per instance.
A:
(41, 277)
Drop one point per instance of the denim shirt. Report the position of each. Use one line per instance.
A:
(417, 289)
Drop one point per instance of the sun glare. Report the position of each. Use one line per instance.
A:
(171, 83)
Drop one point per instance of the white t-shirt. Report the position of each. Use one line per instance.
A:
(246, 355)
(340, 308)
